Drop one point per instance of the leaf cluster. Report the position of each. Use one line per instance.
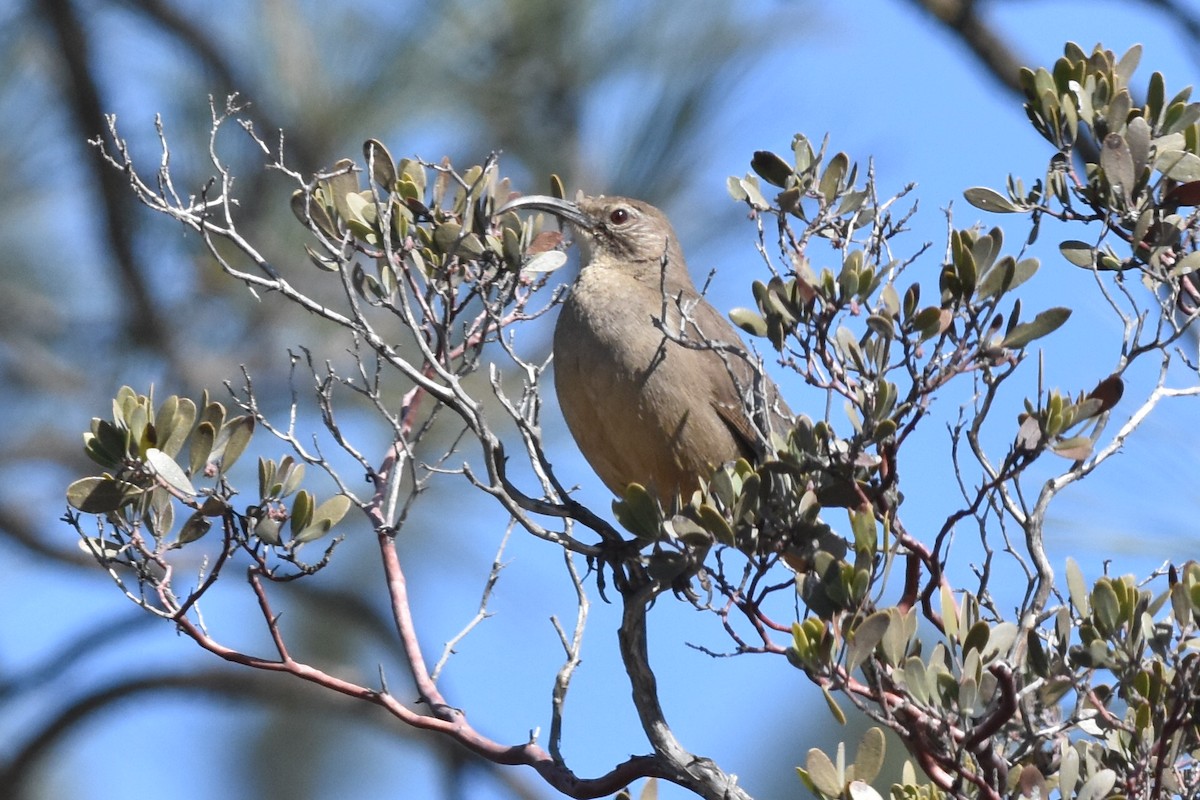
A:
(153, 460)
(417, 221)
(1133, 166)
(882, 348)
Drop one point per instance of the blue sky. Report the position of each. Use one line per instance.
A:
(884, 82)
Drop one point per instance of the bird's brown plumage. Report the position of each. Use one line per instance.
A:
(643, 406)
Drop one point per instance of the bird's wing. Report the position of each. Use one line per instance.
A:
(730, 396)
(734, 417)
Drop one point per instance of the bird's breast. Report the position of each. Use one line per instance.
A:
(640, 406)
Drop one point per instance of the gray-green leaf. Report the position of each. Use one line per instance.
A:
(169, 472)
(987, 199)
(1043, 324)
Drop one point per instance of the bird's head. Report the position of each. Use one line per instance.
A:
(617, 232)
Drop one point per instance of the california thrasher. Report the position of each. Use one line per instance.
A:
(655, 384)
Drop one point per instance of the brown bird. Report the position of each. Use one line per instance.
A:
(655, 384)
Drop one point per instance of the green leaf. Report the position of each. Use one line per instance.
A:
(864, 639)
(266, 476)
(889, 300)
(928, 322)
(964, 267)
(868, 760)
(823, 773)
(95, 450)
(213, 412)
(754, 195)
(689, 531)
(749, 321)
(1039, 662)
(1077, 588)
(1106, 608)
(715, 524)
(918, 679)
(138, 421)
(380, 163)
(101, 495)
(169, 472)
(1128, 63)
(898, 637)
(638, 512)
(848, 348)
(1000, 640)
(834, 708)
(987, 199)
(771, 168)
(949, 612)
(292, 481)
(968, 697)
(1098, 786)
(332, 510)
(802, 152)
(977, 637)
(112, 439)
(236, 433)
(1068, 773)
(325, 516)
(310, 212)
(800, 641)
(342, 185)
(124, 403)
(1186, 265)
(881, 325)
(201, 447)
(1178, 165)
(1043, 324)
(323, 263)
(446, 236)
(302, 512)
(196, 526)
(1117, 163)
(1006, 275)
(1137, 136)
(831, 181)
(267, 530)
(1081, 254)
(414, 172)
(174, 422)
(99, 548)
(214, 506)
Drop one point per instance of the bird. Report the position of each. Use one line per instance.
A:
(655, 385)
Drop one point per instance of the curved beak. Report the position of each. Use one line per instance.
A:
(563, 209)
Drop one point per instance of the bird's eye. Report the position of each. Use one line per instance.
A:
(619, 216)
